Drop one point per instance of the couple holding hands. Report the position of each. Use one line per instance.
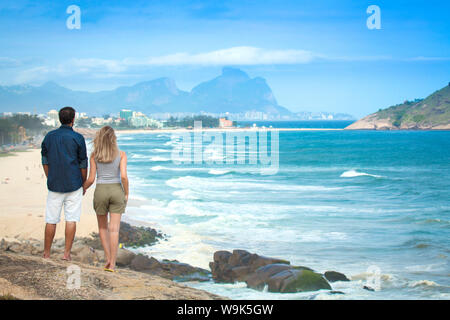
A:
(65, 163)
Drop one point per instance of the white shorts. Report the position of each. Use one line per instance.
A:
(71, 202)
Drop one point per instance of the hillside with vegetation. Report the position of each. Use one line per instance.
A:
(433, 113)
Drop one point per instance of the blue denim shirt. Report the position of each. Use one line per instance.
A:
(64, 151)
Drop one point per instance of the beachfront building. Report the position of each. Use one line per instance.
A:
(225, 123)
(99, 121)
(53, 114)
(126, 114)
(81, 115)
(140, 120)
(52, 119)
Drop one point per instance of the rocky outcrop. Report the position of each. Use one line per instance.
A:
(258, 272)
(237, 266)
(133, 236)
(25, 276)
(431, 113)
(83, 253)
(129, 236)
(173, 270)
(371, 122)
(334, 276)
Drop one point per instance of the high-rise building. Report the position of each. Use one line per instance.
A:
(126, 114)
(53, 114)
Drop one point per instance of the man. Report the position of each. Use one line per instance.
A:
(64, 160)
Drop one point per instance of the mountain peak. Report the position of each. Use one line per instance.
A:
(234, 72)
(50, 85)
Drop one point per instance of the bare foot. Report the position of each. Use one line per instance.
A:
(46, 255)
(67, 257)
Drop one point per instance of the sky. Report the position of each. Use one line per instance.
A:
(315, 55)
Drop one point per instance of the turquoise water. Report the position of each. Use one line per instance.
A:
(341, 200)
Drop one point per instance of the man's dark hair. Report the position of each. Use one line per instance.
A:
(66, 115)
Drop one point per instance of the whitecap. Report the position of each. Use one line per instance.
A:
(424, 283)
(197, 183)
(160, 150)
(185, 194)
(354, 173)
(218, 171)
(159, 159)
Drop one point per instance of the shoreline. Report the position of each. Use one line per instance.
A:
(23, 194)
(127, 131)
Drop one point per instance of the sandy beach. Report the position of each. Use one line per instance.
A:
(23, 194)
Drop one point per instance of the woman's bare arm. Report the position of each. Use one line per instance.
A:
(123, 173)
(92, 174)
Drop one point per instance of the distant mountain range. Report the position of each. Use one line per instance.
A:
(433, 112)
(233, 91)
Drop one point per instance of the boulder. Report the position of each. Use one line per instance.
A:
(334, 276)
(143, 263)
(168, 269)
(238, 266)
(259, 271)
(240, 273)
(87, 255)
(261, 277)
(134, 236)
(221, 256)
(302, 280)
(260, 261)
(124, 257)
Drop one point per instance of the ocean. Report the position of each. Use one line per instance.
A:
(369, 204)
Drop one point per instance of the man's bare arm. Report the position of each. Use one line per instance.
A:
(45, 166)
(84, 174)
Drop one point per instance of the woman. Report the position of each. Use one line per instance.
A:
(109, 164)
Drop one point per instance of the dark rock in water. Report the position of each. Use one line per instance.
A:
(258, 272)
(334, 276)
(222, 256)
(240, 273)
(303, 280)
(261, 277)
(368, 288)
(237, 266)
(336, 292)
(286, 279)
(196, 276)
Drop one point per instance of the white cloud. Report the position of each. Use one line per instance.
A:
(230, 56)
(239, 56)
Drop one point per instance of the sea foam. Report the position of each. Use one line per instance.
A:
(354, 173)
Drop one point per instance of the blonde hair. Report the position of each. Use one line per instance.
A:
(105, 145)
